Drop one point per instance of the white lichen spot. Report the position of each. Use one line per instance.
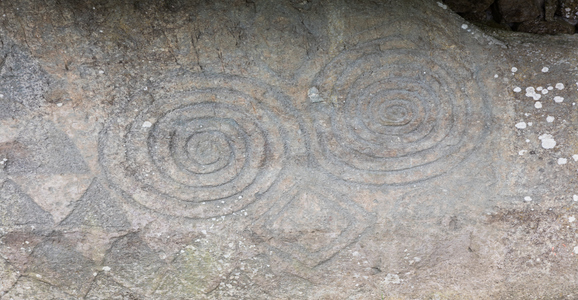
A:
(59, 104)
(562, 161)
(521, 125)
(496, 76)
(539, 88)
(522, 152)
(571, 219)
(558, 99)
(514, 69)
(538, 104)
(575, 157)
(147, 124)
(550, 88)
(531, 92)
(464, 26)
(313, 94)
(517, 89)
(544, 91)
(1, 95)
(548, 141)
(392, 278)
(101, 72)
(560, 86)
(550, 119)
(106, 268)
(545, 69)
(527, 198)
(575, 197)
(442, 5)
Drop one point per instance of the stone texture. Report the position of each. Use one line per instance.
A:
(467, 6)
(283, 150)
(42, 148)
(543, 27)
(24, 82)
(550, 7)
(514, 11)
(18, 209)
(97, 208)
(568, 9)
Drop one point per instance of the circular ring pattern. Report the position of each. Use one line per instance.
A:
(395, 115)
(207, 150)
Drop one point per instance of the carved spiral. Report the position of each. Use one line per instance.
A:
(393, 114)
(207, 150)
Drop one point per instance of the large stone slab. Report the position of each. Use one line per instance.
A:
(283, 150)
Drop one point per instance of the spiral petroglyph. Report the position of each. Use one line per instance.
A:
(393, 114)
(207, 148)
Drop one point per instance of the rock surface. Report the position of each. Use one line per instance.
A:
(283, 150)
(514, 11)
(463, 6)
(543, 27)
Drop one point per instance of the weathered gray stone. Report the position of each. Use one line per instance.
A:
(44, 149)
(18, 209)
(550, 7)
(284, 150)
(467, 6)
(55, 262)
(568, 9)
(518, 10)
(23, 82)
(543, 27)
(97, 208)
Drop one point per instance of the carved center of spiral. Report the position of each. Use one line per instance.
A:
(206, 148)
(395, 114)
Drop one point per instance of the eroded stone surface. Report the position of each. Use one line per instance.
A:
(287, 149)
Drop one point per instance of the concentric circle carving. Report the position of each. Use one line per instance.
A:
(207, 149)
(394, 114)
